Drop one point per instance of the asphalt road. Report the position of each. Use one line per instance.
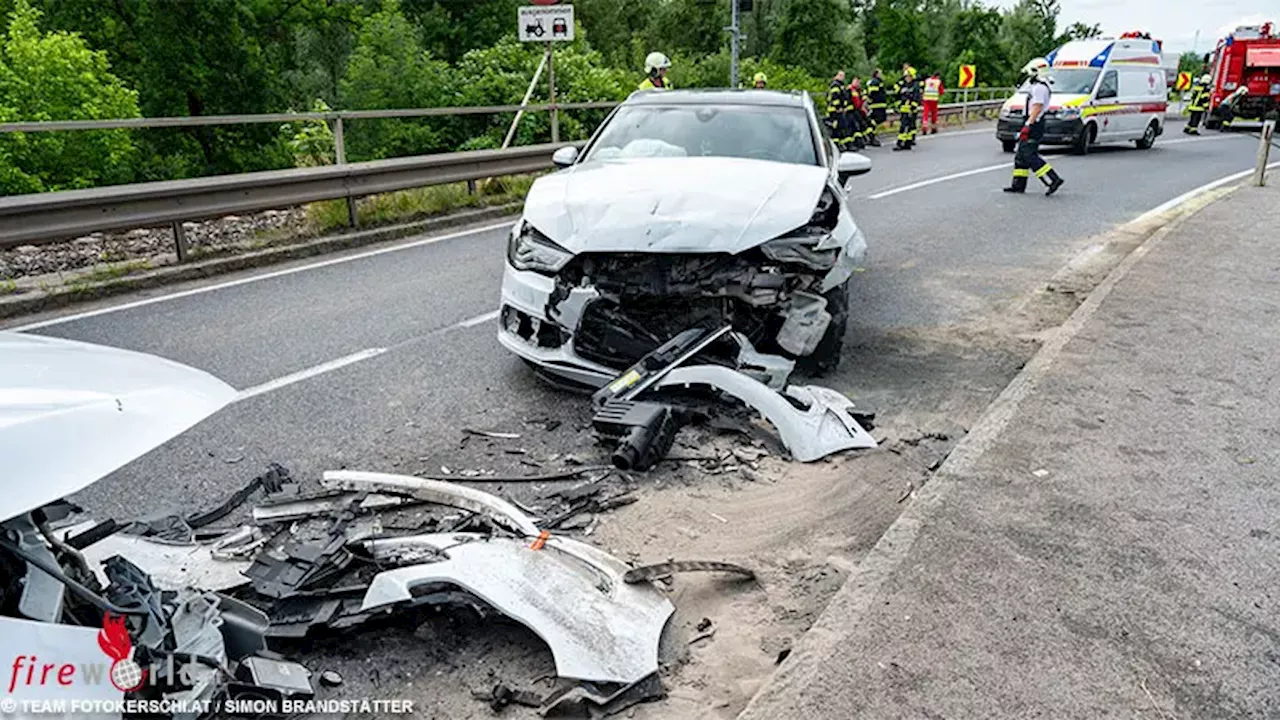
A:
(423, 360)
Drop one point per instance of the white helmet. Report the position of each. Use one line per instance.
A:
(655, 61)
(1038, 68)
(1205, 79)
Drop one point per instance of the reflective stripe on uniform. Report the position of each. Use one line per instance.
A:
(1022, 172)
(1044, 170)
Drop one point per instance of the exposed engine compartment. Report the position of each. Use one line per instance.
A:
(644, 299)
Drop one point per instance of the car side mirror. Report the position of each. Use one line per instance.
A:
(565, 156)
(850, 164)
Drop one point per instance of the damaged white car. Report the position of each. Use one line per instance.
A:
(686, 208)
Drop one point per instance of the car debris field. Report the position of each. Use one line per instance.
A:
(382, 429)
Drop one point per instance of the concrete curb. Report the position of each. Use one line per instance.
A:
(27, 303)
(851, 603)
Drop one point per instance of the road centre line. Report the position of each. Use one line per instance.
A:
(989, 168)
(256, 278)
(935, 181)
(310, 372)
(353, 358)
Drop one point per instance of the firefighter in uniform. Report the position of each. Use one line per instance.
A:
(878, 105)
(907, 96)
(1198, 105)
(863, 128)
(1027, 160)
(838, 102)
(655, 67)
(759, 81)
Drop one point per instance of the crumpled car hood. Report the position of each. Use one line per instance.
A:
(673, 204)
(71, 413)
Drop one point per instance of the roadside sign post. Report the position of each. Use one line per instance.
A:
(1264, 153)
(968, 74)
(549, 24)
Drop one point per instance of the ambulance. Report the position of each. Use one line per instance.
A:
(1104, 91)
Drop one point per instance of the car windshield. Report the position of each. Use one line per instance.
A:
(781, 134)
(1072, 81)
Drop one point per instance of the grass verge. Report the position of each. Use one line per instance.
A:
(418, 203)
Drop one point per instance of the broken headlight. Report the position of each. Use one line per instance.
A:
(800, 245)
(531, 250)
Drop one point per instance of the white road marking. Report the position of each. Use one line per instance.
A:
(256, 278)
(477, 320)
(310, 372)
(935, 181)
(1165, 207)
(1197, 139)
(353, 358)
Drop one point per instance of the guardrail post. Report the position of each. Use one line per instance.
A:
(180, 241)
(1264, 153)
(964, 107)
(339, 146)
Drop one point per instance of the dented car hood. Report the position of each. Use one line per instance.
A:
(685, 204)
(71, 413)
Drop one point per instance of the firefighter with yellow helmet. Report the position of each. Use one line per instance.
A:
(759, 81)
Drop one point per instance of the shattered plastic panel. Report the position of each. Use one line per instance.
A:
(572, 595)
(812, 434)
(111, 405)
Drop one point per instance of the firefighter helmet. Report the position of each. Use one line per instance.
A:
(760, 79)
(1038, 68)
(656, 61)
(1206, 79)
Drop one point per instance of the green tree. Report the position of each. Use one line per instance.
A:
(817, 36)
(390, 69)
(56, 76)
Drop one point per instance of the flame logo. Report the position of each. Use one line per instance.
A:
(126, 675)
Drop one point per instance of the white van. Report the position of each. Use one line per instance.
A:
(1104, 91)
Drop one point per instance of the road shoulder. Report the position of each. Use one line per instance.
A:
(1107, 549)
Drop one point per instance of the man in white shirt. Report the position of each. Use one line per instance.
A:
(1027, 160)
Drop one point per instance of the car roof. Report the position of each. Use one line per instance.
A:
(790, 98)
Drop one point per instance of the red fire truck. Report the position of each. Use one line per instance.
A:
(1245, 76)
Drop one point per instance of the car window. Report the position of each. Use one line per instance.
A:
(1110, 86)
(781, 134)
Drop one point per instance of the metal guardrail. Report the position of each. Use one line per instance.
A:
(56, 216)
(50, 217)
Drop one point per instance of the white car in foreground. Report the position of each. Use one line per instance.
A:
(686, 207)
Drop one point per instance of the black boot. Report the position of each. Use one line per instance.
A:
(875, 141)
(900, 146)
(1054, 181)
(1019, 186)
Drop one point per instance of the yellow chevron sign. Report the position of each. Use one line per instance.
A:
(1184, 82)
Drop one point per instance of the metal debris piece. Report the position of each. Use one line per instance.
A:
(320, 504)
(666, 569)
(572, 595)
(822, 427)
(288, 679)
(502, 696)
(329, 678)
(434, 491)
(703, 625)
(702, 636)
(269, 482)
(290, 563)
(589, 699)
(491, 434)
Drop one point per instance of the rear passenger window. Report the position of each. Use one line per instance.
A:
(1110, 86)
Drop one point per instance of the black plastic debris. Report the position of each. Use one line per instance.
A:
(644, 431)
(667, 569)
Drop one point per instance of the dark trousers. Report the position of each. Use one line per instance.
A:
(906, 127)
(1027, 162)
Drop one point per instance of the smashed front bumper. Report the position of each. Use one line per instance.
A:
(525, 329)
(1056, 131)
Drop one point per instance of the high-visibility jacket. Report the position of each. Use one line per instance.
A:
(1199, 97)
(875, 93)
(933, 89)
(655, 82)
(838, 99)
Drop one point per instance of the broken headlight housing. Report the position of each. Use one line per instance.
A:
(800, 246)
(529, 249)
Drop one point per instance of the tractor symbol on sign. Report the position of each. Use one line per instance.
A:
(535, 28)
(559, 27)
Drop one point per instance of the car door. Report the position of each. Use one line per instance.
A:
(1105, 101)
(1135, 91)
